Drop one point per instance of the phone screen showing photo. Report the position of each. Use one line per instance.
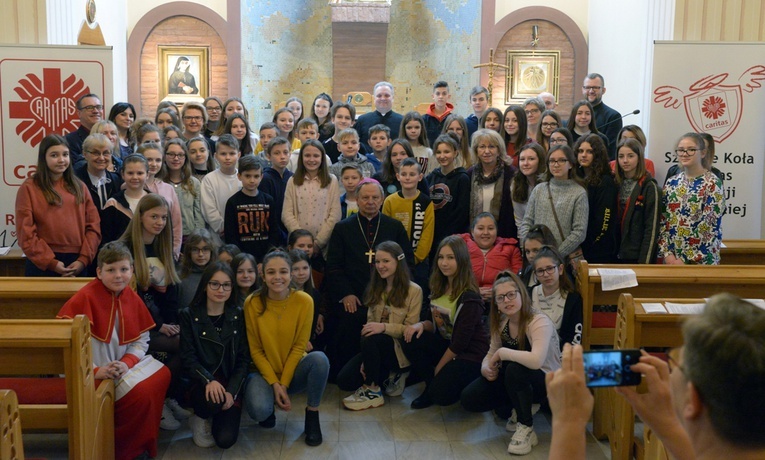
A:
(611, 368)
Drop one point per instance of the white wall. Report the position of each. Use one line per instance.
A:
(65, 18)
(621, 49)
(575, 9)
(138, 8)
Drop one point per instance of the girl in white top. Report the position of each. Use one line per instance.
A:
(312, 197)
(524, 347)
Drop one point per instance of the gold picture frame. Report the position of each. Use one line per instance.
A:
(184, 72)
(531, 72)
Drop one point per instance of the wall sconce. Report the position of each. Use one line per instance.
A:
(534, 35)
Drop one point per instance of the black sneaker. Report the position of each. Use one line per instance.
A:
(269, 422)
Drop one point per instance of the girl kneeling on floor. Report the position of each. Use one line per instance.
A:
(394, 304)
(215, 358)
(524, 347)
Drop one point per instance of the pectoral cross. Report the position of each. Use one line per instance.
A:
(370, 254)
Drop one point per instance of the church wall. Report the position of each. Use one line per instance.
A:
(138, 8)
(715, 20)
(577, 10)
(23, 21)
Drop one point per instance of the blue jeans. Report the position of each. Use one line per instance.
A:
(310, 376)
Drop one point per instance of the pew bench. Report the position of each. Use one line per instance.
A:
(664, 281)
(36, 297)
(11, 447)
(743, 252)
(613, 416)
(73, 403)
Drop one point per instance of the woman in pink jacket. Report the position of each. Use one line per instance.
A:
(490, 254)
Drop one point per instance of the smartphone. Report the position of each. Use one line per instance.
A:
(611, 368)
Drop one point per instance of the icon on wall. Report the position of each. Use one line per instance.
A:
(183, 71)
(531, 72)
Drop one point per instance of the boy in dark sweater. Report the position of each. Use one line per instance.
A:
(275, 180)
(249, 221)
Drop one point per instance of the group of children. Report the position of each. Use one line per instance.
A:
(239, 332)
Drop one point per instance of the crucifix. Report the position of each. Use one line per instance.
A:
(370, 255)
(491, 65)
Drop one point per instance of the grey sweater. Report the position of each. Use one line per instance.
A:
(571, 207)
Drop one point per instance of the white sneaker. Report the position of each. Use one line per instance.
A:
(523, 440)
(512, 421)
(364, 398)
(168, 421)
(201, 431)
(178, 412)
(396, 383)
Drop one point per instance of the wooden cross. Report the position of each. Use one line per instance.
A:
(370, 254)
(491, 65)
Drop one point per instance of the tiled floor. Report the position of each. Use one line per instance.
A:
(392, 431)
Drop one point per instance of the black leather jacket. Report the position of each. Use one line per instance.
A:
(203, 350)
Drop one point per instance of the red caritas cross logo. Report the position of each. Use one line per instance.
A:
(47, 106)
(714, 105)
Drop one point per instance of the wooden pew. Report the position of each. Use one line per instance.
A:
(743, 252)
(10, 427)
(635, 328)
(36, 298)
(54, 347)
(13, 263)
(665, 281)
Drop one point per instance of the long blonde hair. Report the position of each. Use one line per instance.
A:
(162, 244)
(526, 313)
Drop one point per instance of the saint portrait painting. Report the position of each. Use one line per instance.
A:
(182, 81)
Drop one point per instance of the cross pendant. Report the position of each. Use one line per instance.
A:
(370, 254)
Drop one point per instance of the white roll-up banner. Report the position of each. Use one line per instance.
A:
(715, 88)
(39, 88)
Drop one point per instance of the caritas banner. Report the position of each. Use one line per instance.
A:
(715, 88)
(39, 88)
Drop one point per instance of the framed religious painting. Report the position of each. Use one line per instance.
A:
(530, 73)
(184, 72)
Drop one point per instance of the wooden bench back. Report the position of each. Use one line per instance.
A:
(11, 447)
(36, 298)
(44, 347)
(743, 252)
(665, 281)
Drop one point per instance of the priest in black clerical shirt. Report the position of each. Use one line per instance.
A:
(350, 261)
(383, 114)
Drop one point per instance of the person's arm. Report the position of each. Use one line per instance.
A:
(529, 216)
(289, 209)
(514, 259)
(466, 322)
(336, 279)
(35, 248)
(712, 213)
(210, 209)
(136, 350)
(601, 215)
(540, 334)
(413, 307)
(578, 225)
(230, 224)
(257, 352)
(92, 237)
(199, 220)
(426, 239)
(303, 334)
(571, 322)
(177, 221)
(571, 403)
(648, 246)
(188, 351)
(655, 406)
(333, 214)
(242, 363)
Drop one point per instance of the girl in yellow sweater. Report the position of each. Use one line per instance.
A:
(278, 320)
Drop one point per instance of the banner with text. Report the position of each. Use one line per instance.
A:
(715, 88)
(39, 88)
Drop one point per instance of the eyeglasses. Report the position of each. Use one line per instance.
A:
(532, 111)
(561, 162)
(213, 109)
(550, 125)
(674, 360)
(558, 141)
(545, 271)
(193, 118)
(96, 153)
(506, 297)
(200, 250)
(214, 285)
(687, 152)
(90, 108)
(176, 155)
(592, 88)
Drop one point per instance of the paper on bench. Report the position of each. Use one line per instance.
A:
(757, 302)
(685, 308)
(612, 279)
(5, 250)
(654, 308)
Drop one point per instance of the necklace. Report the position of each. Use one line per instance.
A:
(371, 253)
